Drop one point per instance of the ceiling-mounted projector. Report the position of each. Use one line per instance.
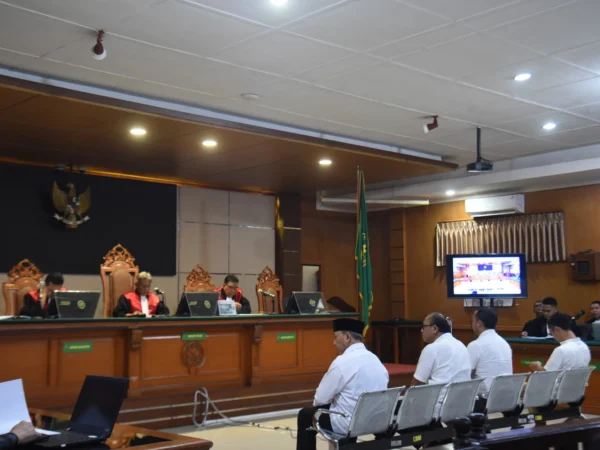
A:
(481, 165)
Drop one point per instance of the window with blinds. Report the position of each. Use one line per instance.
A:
(541, 237)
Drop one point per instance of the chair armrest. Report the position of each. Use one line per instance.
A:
(327, 434)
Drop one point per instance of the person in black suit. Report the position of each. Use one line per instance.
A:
(594, 312)
(530, 325)
(21, 434)
(539, 327)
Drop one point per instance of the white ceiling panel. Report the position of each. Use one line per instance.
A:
(432, 147)
(591, 111)
(513, 12)
(186, 27)
(405, 87)
(145, 62)
(459, 9)
(43, 33)
(96, 14)
(329, 105)
(422, 41)
(363, 69)
(287, 54)
(587, 57)
(472, 54)
(545, 73)
(568, 95)
(414, 128)
(559, 29)
(263, 11)
(332, 69)
(521, 148)
(360, 25)
(579, 137)
(467, 139)
(532, 126)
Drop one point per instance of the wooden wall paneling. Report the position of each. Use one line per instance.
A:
(329, 240)
(379, 239)
(426, 284)
(396, 263)
(288, 242)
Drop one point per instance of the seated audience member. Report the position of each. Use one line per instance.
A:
(21, 434)
(40, 303)
(141, 302)
(490, 354)
(572, 353)
(445, 359)
(355, 371)
(231, 291)
(594, 312)
(540, 326)
(530, 326)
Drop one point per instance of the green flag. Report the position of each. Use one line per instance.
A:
(363, 260)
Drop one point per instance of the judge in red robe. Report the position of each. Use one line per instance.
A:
(231, 291)
(41, 303)
(141, 302)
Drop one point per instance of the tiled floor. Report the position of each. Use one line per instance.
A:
(242, 437)
(247, 437)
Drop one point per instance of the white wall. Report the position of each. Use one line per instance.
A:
(225, 232)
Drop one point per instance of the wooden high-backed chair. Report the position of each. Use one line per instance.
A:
(22, 278)
(198, 280)
(269, 282)
(118, 273)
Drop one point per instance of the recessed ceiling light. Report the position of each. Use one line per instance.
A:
(450, 192)
(523, 77)
(549, 126)
(325, 162)
(209, 143)
(137, 131)
(250, 96)
(279, 2)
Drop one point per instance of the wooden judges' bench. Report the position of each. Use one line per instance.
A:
(249, 364)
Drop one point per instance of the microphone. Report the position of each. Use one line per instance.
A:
(578, 315)
(268, 294)
(159, 291)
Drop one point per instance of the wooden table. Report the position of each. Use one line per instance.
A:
(406, 342)
(249, 364)
(123, 436)
(527, 350)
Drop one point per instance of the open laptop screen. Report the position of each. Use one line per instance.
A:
(98, 405)
(76, 304)
(305, 303)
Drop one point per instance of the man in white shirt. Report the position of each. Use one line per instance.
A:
(445, 359)
(572, 353)
(490, 354)
(355, 371)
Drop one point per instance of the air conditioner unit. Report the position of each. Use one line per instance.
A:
(495, 206)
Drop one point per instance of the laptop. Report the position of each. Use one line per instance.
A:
(76, 304)
(305, 303)
(202, 304)
(94, 415)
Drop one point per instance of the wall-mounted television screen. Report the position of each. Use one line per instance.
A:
(487, 276)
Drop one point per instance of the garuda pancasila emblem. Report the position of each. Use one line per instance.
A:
(72, 207)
